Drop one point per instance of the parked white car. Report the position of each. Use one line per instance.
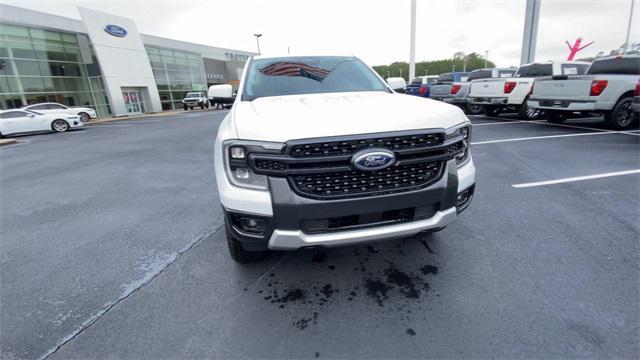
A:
(84, 113)
(19, 121)
(606, 89)
(318, 151)
(497, 95)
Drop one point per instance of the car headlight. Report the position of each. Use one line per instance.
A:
(236, 155)
(463, 133)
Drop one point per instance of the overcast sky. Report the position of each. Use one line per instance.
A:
(376, 31)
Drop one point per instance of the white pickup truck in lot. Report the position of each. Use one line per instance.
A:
(457, 93)
(498, 95)
(606, 89)
(318, 151)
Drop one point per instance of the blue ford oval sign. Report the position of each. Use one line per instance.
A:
(115, 30)
(373, 159)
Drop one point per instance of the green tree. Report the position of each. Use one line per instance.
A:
(474, 61)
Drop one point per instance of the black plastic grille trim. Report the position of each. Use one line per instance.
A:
(335, 185)
(349, 147)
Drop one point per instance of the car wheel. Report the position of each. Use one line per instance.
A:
(201, 106)
(59, 125)
(220, 106)
(621, 117)
(555, 117)
(473, 109)
(185, 107)
(238, 253)
(528, 113)
(491, 110)
(84, 117)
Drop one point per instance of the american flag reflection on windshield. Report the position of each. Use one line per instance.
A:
(285, 68)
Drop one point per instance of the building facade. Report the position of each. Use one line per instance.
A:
(103, 62)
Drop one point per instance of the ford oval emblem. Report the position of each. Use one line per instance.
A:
(115, 30)
(373, 159)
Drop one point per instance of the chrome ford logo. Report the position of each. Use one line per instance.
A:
(373, 159)
(115, 30)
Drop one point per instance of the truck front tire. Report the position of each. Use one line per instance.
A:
(622, 116)
(237, 251)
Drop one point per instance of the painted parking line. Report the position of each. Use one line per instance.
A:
(502, 122)
(544, 137)
(577, 178)
(542, 122)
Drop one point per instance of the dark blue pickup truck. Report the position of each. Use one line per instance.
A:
(420, 86)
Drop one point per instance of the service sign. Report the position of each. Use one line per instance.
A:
(115, 30)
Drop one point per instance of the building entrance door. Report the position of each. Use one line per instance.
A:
(133, 101)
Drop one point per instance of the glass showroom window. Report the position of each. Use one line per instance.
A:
(176, 73)
(39, 65)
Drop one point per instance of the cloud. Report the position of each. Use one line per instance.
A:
(376, 30)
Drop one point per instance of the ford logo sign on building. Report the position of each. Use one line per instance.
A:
(373, 159)
(115, 30)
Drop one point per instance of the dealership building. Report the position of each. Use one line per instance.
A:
(103, 62)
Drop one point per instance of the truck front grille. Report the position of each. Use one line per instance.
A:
(358, 183)
(322, 168)
(350, 147)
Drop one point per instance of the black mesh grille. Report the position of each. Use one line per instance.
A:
(349, 147)
(273, 165)
(358, 183)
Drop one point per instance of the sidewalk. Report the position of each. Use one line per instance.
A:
(144, 116)
(4, 142)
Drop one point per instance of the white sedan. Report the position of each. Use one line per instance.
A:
(19, 121)
(51, 107)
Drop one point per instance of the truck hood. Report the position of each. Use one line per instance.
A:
(283, 118)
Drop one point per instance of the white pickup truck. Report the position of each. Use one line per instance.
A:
(607, 88)
(457, 93)
(318, 151)
(498, 95)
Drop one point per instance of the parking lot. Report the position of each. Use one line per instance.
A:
(112, 247)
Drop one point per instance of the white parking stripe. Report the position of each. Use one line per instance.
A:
(502, 122)
(577, 178)
(544, 137)
(581, 127)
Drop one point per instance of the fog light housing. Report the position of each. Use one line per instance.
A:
(250, 225)
(464, 199)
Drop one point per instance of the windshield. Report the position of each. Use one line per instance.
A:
(308, 75)
(193, 95)
(535, 70)
(630, 66)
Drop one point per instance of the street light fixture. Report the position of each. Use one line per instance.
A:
(258, 41)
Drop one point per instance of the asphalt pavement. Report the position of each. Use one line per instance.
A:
(111, 247)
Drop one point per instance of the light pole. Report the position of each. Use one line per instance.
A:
(626, 41)
(412, 46)
(486, 56)
(258, 41)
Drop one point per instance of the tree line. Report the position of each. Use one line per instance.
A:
(459, 62)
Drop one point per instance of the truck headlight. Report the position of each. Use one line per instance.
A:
(239, 173)
(464, 133)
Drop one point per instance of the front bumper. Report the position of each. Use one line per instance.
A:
(295, 239)
(284, 228)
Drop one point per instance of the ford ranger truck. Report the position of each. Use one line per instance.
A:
(457, 92)
(498, 95)
(421, 85)
(606, 89)
(318, 151)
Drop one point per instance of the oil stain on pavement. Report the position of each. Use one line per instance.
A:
(388, 286)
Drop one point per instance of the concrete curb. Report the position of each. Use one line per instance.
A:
(144, 116)
(4, 142)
